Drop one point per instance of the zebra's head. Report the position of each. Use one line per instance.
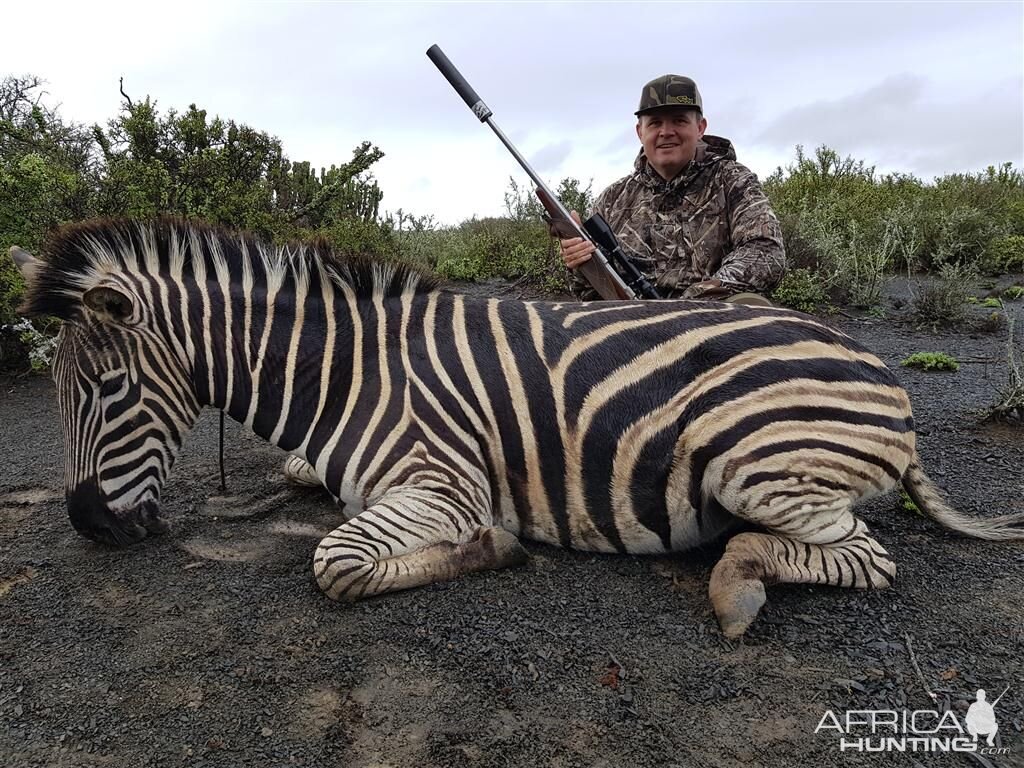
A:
(124, 397)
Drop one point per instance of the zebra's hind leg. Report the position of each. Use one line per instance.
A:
(299, 472)
(752, 560)
(397, 545)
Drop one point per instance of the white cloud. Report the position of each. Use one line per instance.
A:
(887, 82)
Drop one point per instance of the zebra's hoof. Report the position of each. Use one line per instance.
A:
(506, 549)
(737, 608)
(299, 472)
(489, 549)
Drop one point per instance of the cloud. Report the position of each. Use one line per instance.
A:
(550, 157)
(911, 123)
(864, 116)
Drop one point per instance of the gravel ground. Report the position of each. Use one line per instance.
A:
(211, 646)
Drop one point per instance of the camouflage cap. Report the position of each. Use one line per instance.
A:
(669, 91)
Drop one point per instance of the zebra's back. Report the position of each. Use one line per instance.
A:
(629, 426)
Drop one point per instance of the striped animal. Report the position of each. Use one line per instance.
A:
(449, 426)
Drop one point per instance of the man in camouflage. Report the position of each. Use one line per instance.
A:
(694, 220)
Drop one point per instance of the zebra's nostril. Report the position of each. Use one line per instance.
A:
(91, 517)
(149, 517)
(86, 508)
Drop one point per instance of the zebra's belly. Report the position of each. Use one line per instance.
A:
(686, 530)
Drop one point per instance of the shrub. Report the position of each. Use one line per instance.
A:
(355, 236)
(1013, 293)
(841, 218)
(11, 288)
(942, 301)
(864, 262)
(40, 344)
(801, 246)
(994, 322)
(1010, 404)
(931, 361)
(800, 289)
(1004, 254)
(963, 235)
(13, 355)
(486, 248)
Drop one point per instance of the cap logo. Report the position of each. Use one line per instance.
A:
(683, 99)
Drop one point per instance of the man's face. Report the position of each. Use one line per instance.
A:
(669, 137)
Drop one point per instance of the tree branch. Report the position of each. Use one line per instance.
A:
(127, 98)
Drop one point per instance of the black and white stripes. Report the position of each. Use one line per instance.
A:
(449, 425)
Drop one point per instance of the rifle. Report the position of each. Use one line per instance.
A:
(609, 270)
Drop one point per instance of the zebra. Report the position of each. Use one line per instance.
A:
(449, 427)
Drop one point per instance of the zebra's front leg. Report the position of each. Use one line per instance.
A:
(405, 540)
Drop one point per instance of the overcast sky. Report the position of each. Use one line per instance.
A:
(927, 88)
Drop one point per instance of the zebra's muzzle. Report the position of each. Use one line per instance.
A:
(94, 520)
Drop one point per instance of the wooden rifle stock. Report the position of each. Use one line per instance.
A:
(597, 271)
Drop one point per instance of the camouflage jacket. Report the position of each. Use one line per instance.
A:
(711, 221)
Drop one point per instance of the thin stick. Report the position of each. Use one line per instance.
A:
(1000, 695)
(223, 482)
(913, 661)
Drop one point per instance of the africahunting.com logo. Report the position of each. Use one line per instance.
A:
(919, 730)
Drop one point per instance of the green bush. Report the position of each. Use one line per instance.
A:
(990, 302)
(942, 301)
(907, 504)
(1004, 254)
(1013, 293)
(963, 234)
(931, 361)
(800, 289)
(486, 248)
(11, 288)
(355, 237)
(850, 224)
(145, 163)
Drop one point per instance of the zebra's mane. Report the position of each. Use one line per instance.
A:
(78, 256)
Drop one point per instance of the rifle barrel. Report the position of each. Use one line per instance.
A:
(483, 112)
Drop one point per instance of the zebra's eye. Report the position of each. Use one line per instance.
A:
(111, 386)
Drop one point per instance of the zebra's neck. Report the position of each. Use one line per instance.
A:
(269, 353)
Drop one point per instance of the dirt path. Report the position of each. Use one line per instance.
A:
(210, 646)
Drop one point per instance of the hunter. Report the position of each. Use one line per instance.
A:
(694, 220)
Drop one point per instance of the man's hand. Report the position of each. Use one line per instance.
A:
(707, 289)
(576, 250)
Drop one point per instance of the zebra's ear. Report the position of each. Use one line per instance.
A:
(110, 304)
(26, 263)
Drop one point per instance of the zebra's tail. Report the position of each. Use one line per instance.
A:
(929, 499)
